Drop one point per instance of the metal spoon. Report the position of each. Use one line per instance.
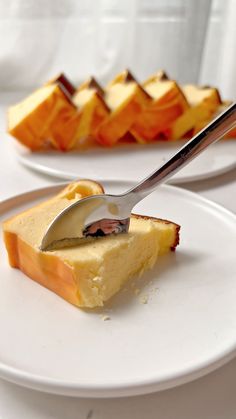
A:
(101, 215)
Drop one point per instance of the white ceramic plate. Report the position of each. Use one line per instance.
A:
(130, 162)
(187, 328)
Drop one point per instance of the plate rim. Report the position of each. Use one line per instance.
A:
(39, 168)
(129, 388)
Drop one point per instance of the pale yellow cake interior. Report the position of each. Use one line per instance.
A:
(18, 112)
(158, 89)
(196, 95)
(118, 93)
(83, 96)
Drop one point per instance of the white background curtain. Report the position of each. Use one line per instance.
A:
(193, 40)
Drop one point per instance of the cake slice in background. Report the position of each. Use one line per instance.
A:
(126, 99)
(46, 117)
(93, 110)
(89, 274)
(221, 108)
(204, 102)
(167, 104)
(63, 127)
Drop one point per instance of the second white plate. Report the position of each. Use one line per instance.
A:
(129, 162)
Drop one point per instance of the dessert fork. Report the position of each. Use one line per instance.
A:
(101, 215)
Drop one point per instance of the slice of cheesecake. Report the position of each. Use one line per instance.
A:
(204, 102)
(167, 104)
(89, 274)
(221, 108)
(46, 117)
(126, 99)
(92, 108)
(64, 126)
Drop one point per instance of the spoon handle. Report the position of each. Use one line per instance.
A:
(209, 135)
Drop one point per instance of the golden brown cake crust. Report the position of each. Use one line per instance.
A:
(176, 226)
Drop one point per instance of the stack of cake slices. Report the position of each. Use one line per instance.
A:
(61, 116)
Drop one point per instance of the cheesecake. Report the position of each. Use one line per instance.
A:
(204, 102)
(222, 108)
(166, 105)
(61, 116)
(86, 275)
(93, 110)
(127, 99)
(46, 118)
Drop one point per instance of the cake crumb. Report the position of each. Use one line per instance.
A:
(144, 299)
(137, 291)
(105, 317)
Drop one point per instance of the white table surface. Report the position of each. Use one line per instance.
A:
(211, 397)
